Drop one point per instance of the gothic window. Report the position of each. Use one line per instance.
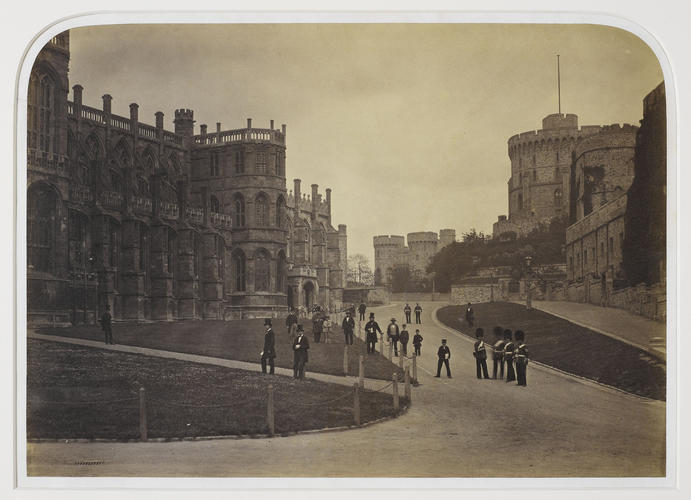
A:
(143, 187)
(533, 159)
(557, 155)
(611, 245)
(215, 205)
(239, 162)
(280, 211)
(557, 197)
(261, 211)
(238, 210)
(277, 164)
(44, 115)
(556, 173)
(261, 162)
(239, 266)
(261, 271)
(602, 249)
(77, 231)
(42, 206)
(280, 272)
(585, 257)
(215, 169)
(149, 164)
(144, 256)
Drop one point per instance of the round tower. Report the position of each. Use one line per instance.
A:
(386, 248)
(423, 246)
(446, 237)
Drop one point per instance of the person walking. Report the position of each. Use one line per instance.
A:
(418, 313)
(509, 349)
(371, 330)
(521, 355)
(469, 315)
(106, 320)
(498, 353)
(480, 354)
(269, 351)
(300, 358)
(393, 334)
(407, 310)
(361, 309)
(417, 342)
(443, 353)
(348, 326)
(404, 337)
(291, 323)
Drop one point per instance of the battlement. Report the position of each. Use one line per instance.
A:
(391, 241)
(184, 114)
(422, 237)
(608, 136)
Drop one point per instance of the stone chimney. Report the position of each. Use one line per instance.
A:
(159, 119)
(298, 198)
(328, 204)
(315, 200)
(134, 112)
(249, 123)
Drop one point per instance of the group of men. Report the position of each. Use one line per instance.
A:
(504, 352)
(418, 314)
(394, 336)
(300, 348)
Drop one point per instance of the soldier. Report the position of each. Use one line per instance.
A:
(480, 354)
(404, 337)
(300, 347)
(348, 326)
(105, 321)
(371, 329)
(361, 309)
(418, 312)
(393, 333)
(498, 353)
(407, 310)
(521, 355)
(269, 352)
(509, 349)
(443, 354)
(417, 342)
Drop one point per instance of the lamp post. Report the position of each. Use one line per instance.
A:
(528, 298)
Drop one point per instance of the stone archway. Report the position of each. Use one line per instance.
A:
(309, 294)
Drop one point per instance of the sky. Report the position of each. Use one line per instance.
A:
(407, 123)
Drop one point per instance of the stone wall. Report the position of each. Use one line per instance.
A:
(462, 294)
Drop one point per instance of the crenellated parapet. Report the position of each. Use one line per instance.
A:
(389, 241)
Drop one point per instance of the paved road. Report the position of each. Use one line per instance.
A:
(460, 427)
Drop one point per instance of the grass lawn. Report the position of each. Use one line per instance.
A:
(571, 348)
(240, 340)
(183, 399)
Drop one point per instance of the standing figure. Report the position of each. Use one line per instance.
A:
(498, 353)
(361, 309)
(480, 354)
(418, 312)
(521, 355)
(407, 310)
(371, 330)
(300, 347)
(469, 314)
(443, 354)
(509, 349)
(404, 337)
(417, 342)
(348, 326)
(291, 323)
(317, 326)
(392, 332)
(105, 321)
(269, 351)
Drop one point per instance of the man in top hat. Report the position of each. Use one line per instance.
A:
(443, 353)
(393, 333)
(480, 353)
(371, 330)
(269, 351)
(348, 326)
(521, 356)
(105, 321)
(418, 312)
(300, 358)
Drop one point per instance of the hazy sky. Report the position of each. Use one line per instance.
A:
(407, 123)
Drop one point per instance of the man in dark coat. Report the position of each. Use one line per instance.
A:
(469, 314)
(371, 330)
(480, 354)
(291, 322)
(418, 312)
(105, 321)
(348, 326)
(300, 358)
(393, 333)
(417, 342)
(361, 309)
(317, 325)
(406, 311)
(509, 349)
(404, 337)
(269, 351)
(443, 353)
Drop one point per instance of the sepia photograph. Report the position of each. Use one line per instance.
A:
(343, 250)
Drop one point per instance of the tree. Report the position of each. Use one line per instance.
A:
(400, 278)
(359, 271)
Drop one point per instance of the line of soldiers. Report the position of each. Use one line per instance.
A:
(504, 352)
(418, 312)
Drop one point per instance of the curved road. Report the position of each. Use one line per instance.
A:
(558, 426)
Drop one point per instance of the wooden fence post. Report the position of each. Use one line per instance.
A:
(395, 393)
(406, 378)
(142, 415)
(345, 360)
(361, 371)
(356, 403)
(415, 367)
(400, 359)
(390, 351)
(270, 410)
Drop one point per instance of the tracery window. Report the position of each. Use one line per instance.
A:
(261, 271)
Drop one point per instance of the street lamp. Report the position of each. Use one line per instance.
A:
(528, 298)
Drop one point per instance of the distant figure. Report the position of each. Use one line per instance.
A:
(418, 312)
(371, 330)
(269, 351)
(480, 354)
(404, 337)
(443, 354)
(393, 333)
(521, 356)
(105, 321)
(417, 342)
(469, 314)
(348, 326)
(317, 326)
(407, 310)
(326, 328)
(361, 309)
(498, 353)
(300, 347)
(291, 323)
(509, 349)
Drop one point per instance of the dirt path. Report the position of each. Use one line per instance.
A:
(459, 427)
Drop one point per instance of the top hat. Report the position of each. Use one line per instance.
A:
(371, 315)
(267, 321)
(393, 319)
(443, 341)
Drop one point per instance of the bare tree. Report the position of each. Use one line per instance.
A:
(359, 270)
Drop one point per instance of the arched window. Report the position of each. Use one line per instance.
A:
(557, 197)
(239, 266)
(260, 162)
(77, 238)
(145, 256)
(261, 211)
(261, 271)
(281, 272)
(280, 212)
(277, 164)
(238, 210)
(45, 115)
(214, 204)
(42, 218)
(239, 162)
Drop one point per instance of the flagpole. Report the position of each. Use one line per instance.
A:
(559, 83)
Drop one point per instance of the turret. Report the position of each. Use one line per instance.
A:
(184, 122)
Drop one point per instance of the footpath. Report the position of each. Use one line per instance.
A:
(636, 330)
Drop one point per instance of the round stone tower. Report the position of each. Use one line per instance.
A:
(386, 249)
(423, 246)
